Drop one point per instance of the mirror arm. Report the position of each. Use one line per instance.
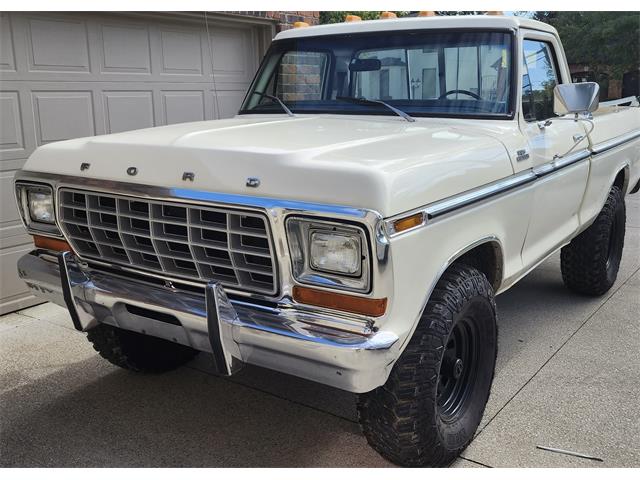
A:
(588, 118)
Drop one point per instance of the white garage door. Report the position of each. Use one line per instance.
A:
(74, 75)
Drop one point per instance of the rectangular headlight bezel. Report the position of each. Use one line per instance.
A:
(299, 235)
(22, 190)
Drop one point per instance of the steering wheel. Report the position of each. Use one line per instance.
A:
(466, 92)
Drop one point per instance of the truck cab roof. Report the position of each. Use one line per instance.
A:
(418, 23)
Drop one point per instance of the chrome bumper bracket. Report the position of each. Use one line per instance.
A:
(66, 290)
(217, 304)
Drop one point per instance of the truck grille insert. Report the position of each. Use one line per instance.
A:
(193, 242)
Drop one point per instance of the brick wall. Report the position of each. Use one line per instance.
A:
(300, 76)
(285, 20)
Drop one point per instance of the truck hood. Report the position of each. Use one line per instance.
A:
(381, 163)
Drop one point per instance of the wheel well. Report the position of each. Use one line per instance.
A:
(621, 180)
(486, 257)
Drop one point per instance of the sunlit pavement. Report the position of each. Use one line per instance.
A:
(568, 376)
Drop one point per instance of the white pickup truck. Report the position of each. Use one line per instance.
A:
(382, 182)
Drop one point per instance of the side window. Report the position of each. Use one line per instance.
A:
(539, 77)
(299, 76)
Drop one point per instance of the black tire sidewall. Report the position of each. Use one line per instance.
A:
(590, 262)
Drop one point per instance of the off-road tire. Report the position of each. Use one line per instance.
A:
(403, 419)
(591, 261)
(138, 352)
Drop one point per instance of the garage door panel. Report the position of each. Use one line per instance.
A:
(56, 45)
(12, 232)
(12, 142)
(14, 294)
(125, 49)
(229, 64)
(128, 110)
(63, 115)
(182, 106)
(9, 215)
(7, 52)
(14, 235)
(228, 102)
(17, 138)
(180, 52)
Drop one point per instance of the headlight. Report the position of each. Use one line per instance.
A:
(35, 203)
(335, 252)
(40, 204)
(329, 254)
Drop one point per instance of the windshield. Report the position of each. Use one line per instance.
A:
(422, 73)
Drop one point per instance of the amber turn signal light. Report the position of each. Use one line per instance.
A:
(352, 18)
(48, 243)
(374, 307)
(426, 13)
(408, 222)
(385, 15)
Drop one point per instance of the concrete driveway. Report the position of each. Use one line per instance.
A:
(568, 376)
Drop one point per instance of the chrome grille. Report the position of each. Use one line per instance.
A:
(195, 242)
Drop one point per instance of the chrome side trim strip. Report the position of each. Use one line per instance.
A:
(560, 163)
(571, 159)
(615, 142)
(458, 201)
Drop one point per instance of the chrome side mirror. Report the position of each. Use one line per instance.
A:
(575, 98)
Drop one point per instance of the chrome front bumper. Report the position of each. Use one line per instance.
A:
(289, 340)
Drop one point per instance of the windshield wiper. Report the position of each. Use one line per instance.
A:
(273, 97)
(367, 101)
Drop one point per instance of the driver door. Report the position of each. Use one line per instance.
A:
(559, 191)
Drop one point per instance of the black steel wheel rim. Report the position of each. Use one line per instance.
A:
(458, 369)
